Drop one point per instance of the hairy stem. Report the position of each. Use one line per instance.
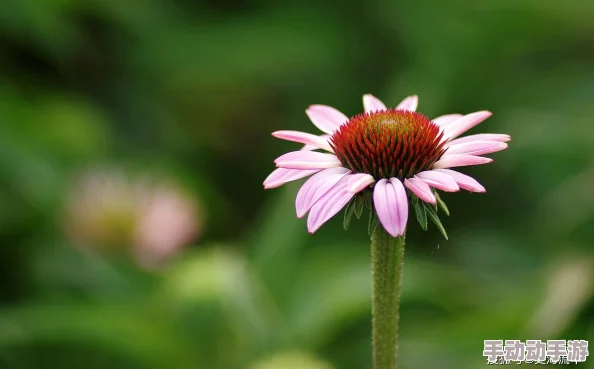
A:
(387, 255)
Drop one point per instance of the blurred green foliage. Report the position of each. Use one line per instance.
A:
(192, 89)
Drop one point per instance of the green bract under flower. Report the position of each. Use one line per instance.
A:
(389, 143)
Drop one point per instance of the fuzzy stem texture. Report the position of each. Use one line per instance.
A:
(387, 255)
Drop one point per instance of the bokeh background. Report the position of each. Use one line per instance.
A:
(135, 136)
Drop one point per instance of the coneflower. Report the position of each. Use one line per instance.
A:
(386, 159)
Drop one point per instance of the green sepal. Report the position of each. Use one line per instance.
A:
(367, 197)
(373, 222)
(359, 203)
(433, 215)
(348, 214)
(421, 214)
(442, 204)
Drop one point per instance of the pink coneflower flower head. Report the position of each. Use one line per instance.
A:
(385, 158)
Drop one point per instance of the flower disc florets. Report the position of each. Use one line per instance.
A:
(388, 143)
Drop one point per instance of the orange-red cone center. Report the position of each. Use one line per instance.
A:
(388, 143)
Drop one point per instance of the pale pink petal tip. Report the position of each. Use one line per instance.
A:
(410, 103)
(326, 118)
(316, 187)
(281, 176)
(498, 137)
(391, 205)
(476, 148)
(461, 125)
(307, 160)
(372, 103)
(359, 181)
(460, 160)
(439, 180)
(445, 120)
(465, 182)
(308, 147)
(328, 205)
(421, 189)
(317, 142)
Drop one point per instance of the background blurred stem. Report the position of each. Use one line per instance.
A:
(387, 255)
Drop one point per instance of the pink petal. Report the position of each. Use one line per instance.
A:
(421, 189)
(476, 148)
(391, 205)
(459, 160)
(439, 180)
(372, 103)
(326, 118)
(464, 181)
(281, 176)
(328, 205)
(445, 120)
(402, 203)
(311, 147)
(480, 137)
(317, 142)
(359, 181)
(307, 160)
(316, 187)
(410, 103)
(465, 123)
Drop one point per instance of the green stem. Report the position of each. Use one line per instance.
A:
(387, 255)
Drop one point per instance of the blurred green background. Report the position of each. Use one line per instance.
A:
(181, 94)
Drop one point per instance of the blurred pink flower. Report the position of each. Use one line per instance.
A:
(109, 212)
(168, 221)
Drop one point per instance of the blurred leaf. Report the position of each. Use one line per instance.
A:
(329, 293)
(290, 360)
(276, 241)
(225, 277)
(136, 332)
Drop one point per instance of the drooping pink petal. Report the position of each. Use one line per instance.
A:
(311, 147)
(410, 103)
(326, 118)
(391, 205)
(480, 137)
(359, 181)
(465, 123)
(401, 202)
(438, 180)
(421, 189)
(281, 176)
(372, 103)
(445, 120)
(460, 160)
(328, 205)
(466, 182)
(316, 187)
(317, 142)
(383, 198)
(307, 160)
(476, 148)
